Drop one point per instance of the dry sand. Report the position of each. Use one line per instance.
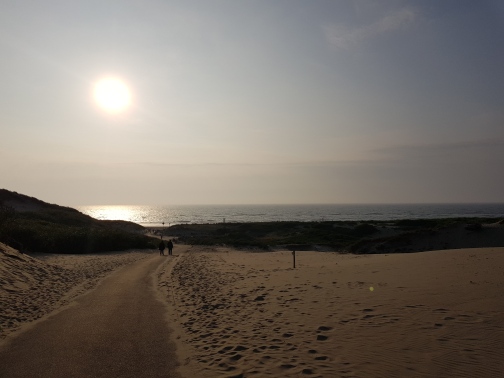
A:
(246, 314)
(32, 286)
(431, 314)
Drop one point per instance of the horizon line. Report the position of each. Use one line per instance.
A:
(304, 204)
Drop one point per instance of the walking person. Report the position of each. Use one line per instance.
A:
(161, 248)
(170, 247)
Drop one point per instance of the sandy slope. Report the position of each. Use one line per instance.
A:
(428, 314)
(243, 314)
(116, 330)
(32, 286)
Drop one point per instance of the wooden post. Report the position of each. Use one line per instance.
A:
(294, 258)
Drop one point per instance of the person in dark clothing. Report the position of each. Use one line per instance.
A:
(161, 248)
(170, 247)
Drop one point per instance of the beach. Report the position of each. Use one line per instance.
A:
(245, 314)
(252, 314)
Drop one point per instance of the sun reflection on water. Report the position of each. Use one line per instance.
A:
(126, 213)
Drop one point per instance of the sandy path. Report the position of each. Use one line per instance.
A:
(32, 286)
(119, 329)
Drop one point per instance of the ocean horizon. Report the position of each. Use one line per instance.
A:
(155, 216)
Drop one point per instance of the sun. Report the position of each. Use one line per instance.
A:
(112, 94)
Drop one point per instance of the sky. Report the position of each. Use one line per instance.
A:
(254, 101)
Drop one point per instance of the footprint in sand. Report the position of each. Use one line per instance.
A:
(287, 366)
(236, 357)
(224, 350)
(324, 328)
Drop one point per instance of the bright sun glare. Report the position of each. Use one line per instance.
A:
(112, 94)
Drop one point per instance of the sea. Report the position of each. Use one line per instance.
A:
(158, 216)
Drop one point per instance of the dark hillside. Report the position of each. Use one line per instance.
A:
(29, 224)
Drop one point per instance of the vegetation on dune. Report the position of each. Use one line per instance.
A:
(266, 234)
(346, 236)
(57, 229)
(29, 224)
(41, 236)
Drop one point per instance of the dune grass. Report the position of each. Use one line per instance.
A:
(349, 236)
(65, 230)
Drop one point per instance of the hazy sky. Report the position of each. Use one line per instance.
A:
(259, 101)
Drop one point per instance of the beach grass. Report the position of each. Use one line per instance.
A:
(65, 230)
(344, 236)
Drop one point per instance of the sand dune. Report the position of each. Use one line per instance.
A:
(245, 314)
(34, 285)
(240, 314)
(455, 236)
